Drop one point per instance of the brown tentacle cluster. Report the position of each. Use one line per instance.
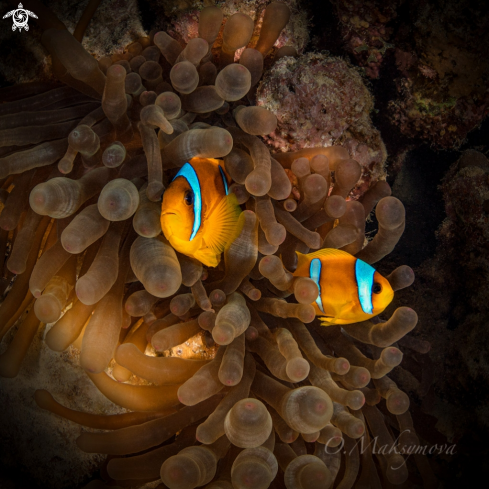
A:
(82, 172)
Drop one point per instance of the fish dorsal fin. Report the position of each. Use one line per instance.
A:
(324, 253)
(330, 252)
(221, 225)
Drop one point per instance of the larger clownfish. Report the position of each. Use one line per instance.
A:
(350, 290)
(198, 214)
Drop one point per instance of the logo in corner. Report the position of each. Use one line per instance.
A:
(20, 16)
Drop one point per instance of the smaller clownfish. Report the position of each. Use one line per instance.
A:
(350, 290)
(199, 216)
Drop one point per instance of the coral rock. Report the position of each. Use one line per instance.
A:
(322, 101)
(441, 53)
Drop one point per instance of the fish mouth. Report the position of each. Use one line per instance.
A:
(169, 223)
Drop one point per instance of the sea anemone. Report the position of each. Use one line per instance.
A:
(270, 395)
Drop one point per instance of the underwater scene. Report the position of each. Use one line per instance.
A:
(244, 244)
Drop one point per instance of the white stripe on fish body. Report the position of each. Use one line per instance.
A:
(315, 274)
(188, 172)
(364, 275)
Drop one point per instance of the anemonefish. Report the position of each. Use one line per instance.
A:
(350, 290)
(199, 216)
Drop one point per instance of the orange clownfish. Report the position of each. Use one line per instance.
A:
(198, 214)
(350, 290)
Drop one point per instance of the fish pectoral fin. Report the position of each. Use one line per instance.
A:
(345, 308)
(338, 317)
(182, 244)
(207, 257)
(221, 226)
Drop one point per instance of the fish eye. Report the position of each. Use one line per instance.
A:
(377, 288)
(189, 197)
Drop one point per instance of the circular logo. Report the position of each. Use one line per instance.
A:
(20, 17)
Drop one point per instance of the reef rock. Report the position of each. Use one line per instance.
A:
(321, 101)
(365, 30)
(185, 21)
(441, 53)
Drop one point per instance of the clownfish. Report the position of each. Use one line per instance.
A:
(199, 216)
(350, 290)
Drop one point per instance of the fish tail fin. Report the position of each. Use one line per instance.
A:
(222, 226)
(301, 258)
(302, 269)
